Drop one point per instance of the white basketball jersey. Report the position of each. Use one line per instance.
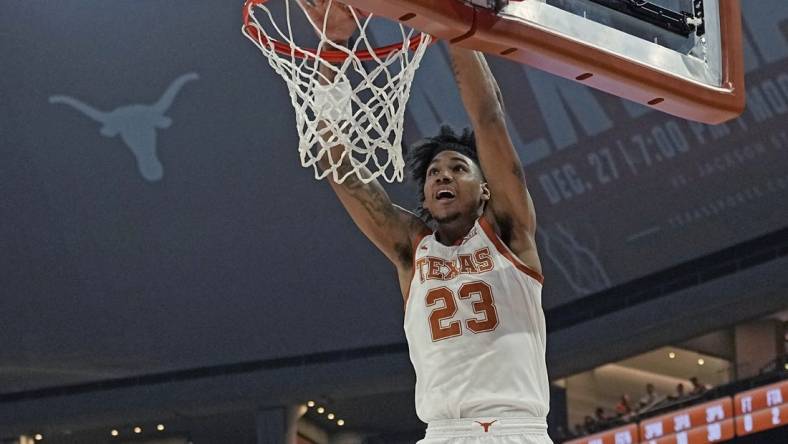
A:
(476, 330)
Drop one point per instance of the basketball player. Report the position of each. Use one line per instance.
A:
(468, 268)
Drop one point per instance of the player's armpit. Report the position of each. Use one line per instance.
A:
(509, 197)
(510, 206)
(519, 238)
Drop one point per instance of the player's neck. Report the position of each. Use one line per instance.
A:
(449, 233)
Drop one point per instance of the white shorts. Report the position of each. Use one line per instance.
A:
(487, 431)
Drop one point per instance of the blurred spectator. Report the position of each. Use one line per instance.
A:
(624, 406)
(680, 393)
(697, 387)
(599, 415)
(650, 398)
(579, 431)
(589, 424)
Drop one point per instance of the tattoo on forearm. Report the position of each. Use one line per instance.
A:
(379, 208)
(373, 199)
(352, 181)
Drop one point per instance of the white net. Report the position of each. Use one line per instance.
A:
(361, 109)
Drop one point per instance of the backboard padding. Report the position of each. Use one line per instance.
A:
(708, 89)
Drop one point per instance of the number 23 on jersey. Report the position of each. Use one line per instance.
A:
(478, 294)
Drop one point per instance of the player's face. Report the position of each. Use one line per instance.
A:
(453, 187)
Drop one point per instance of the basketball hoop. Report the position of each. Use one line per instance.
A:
(362, 108)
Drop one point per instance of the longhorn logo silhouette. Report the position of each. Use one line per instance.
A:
(136, 124)
(486, 425)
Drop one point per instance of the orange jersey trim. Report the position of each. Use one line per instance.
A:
(507, 253)
(416, 244)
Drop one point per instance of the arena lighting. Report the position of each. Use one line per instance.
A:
(330, 416)
(160, 427)
(320, 410)
(38, 437)
(137, 429)
(701, 361)
(114, 433)
(671, 355)
(310, 403)
(340, 422)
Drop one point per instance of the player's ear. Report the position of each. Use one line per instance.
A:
(485, 192)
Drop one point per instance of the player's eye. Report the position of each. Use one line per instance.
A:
(460, 168)
(432, 171)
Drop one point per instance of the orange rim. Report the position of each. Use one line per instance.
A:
(331, 55)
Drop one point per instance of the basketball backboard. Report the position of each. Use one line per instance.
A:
(682, 57)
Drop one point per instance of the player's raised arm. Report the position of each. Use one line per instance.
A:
(510, 203)
(391, 228)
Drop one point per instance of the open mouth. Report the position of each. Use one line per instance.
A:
(444, 195)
